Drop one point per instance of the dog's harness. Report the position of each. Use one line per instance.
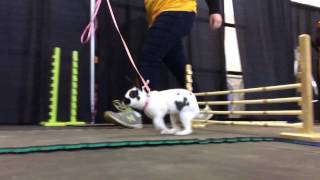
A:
(91, 28)
(146, 103)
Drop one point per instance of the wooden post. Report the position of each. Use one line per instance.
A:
(189, 79)
(249, 123)
(307, 132)
(251, 90)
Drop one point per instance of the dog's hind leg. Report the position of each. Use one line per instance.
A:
(186, 120)
(160, 125)
(174, 118)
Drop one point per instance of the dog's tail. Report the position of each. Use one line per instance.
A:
(204, 115)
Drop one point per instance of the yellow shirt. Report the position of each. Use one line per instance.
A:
(155, 7)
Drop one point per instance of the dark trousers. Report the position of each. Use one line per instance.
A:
(163, 44)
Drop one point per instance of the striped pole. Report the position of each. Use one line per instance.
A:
(74, 91)
(54, 92)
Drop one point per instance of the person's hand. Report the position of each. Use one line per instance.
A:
(215, 21)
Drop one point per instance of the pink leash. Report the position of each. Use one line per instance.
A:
(91, 28)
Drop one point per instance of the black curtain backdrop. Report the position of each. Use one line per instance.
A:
(304, 21)
(264, 31)
(204, 49)
(29, 30)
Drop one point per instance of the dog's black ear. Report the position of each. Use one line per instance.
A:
(140, 87)
(138, 83)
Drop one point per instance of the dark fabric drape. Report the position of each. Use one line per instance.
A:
(203, 48)
(17, 53)
(305, 19)
(266, 49)
(29, 30)
(114, 71)
(206, 53)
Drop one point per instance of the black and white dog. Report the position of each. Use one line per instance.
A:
(180, 104)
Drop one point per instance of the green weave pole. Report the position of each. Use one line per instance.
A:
(54, 92)
(74, 91)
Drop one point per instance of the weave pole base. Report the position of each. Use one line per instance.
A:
(311, 137)
(77, 123)
(53, 124)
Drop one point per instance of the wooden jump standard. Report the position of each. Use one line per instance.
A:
(306, 132)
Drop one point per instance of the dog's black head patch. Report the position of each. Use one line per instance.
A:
(181, 104)
(134, 94)
(126, 101)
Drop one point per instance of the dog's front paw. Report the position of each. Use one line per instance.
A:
(168, 131)
(183, 133)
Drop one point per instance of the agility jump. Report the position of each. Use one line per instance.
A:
(306, 129)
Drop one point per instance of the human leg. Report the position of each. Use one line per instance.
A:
(163, 44)
(162, 38)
